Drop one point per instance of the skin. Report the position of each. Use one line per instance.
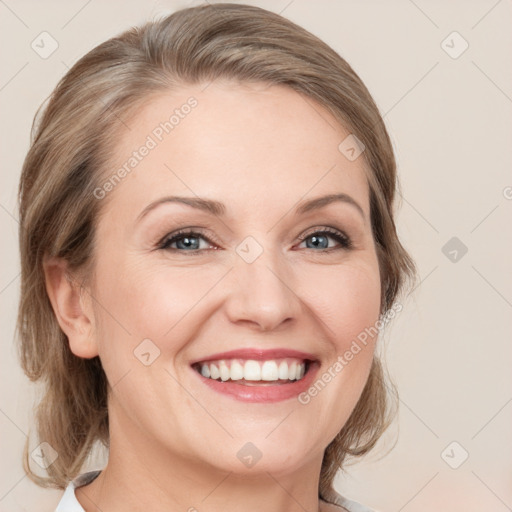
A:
(260, 150)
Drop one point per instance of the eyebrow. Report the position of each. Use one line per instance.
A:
(320, 202)
(218, 209)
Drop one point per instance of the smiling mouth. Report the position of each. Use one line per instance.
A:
(250, 372)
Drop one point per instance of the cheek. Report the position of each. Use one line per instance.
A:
(347, 301)
(349, 307)
(154, 301)
(165, 297)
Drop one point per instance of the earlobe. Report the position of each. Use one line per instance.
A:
(72, 306)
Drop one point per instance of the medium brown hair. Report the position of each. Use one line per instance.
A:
(72, 138)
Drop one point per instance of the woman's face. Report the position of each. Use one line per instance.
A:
(253, 295)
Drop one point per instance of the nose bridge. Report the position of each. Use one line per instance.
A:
(262, 292)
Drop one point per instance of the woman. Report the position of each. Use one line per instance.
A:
(208, 255)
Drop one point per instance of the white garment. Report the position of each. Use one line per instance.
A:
(69, 503)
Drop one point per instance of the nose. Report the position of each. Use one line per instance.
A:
(262, 293)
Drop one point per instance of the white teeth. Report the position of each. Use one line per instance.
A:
(251, 370)
(292, 371)
(269, 371)
(283, 370)
(214, 372)
(224, 371)
(237, 371)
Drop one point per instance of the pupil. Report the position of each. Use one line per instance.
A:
(315, 241)
(188, 244)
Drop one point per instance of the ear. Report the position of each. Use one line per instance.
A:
(72, 306)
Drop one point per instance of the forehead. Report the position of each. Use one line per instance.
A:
(252, 146)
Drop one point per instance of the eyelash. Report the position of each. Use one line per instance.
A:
(344, 241)
(341, 238)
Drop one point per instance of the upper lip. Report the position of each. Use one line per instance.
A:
(257, 354)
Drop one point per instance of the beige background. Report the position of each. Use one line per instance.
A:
(450, 118)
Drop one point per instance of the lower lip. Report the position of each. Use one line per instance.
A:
(266, 393)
